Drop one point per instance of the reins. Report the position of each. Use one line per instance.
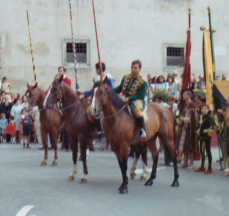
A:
(65, 108)
(115, 113)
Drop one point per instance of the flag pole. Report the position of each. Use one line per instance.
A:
(97, 41)
(31, 47)
(211, 39)
(73, 45)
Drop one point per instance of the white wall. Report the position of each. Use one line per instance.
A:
(128, 30)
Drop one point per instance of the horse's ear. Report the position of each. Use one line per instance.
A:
(35, 86)
(105, 80)
(27, 85)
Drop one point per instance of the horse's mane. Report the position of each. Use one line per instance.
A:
(70, 90)
(116, 101)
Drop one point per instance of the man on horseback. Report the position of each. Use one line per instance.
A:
(134, 88)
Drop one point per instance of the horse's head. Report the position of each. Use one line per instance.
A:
(55, 93)
(32, 96)
(99, 95)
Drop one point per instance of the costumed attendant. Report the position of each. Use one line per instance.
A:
(207, 128)
(188, 123)
(10, 129)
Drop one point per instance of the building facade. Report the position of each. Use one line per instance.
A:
(153, 31)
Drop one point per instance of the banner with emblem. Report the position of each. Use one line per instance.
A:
(220, 93)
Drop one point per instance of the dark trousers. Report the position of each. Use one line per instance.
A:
(208, 150)
(65, 139)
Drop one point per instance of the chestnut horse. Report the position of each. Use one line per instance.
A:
(50, 119)
(77, 124)
(121, 130)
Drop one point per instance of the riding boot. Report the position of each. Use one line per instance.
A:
(98, 125)
(141, 124)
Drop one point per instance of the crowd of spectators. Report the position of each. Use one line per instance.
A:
(13, 116)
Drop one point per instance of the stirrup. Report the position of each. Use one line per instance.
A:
(142, 133)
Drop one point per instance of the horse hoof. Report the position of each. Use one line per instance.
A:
(142, 178)
(54, 163)
(83, 180)
(70, 178)
(123, 190)
(175, 183)
(149, 183)
(132, 175)
(43, 163)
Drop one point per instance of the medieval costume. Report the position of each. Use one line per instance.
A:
(135, 89)
(207, 122)
(187, 137)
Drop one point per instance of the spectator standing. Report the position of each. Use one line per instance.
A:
(26, 122)
(16, 112)
(3, 124)
(153, 86)
(200, 82)
(6, 105)
(161, 84)
(224, 76)
(10, 129)
(5, 85)
(172, 87)
(172, 105)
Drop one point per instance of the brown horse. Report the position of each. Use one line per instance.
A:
(50, 119)
(77, 124)
(121, 130)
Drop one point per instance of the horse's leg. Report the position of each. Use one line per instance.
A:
(83, 149)
(136, 150)
(169, 140)
(74, 147)
(122, 155)
(154, 152)
(44, 135)
(144, 160)
(123, 189)
(55, 137)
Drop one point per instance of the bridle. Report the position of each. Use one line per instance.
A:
(64, 98)
(105, 102)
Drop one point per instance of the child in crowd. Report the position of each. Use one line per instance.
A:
(26, 122)
(207, 127)
(3, 124)
(22, 116)
(5, 85)
(172, 105)
(10, 129)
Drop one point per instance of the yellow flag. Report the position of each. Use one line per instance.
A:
(208, 67)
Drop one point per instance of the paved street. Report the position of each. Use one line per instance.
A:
(29, 189)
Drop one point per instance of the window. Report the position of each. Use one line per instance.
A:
(173, 56)
(82, 53)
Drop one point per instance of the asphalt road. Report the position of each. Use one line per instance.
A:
(29, 189)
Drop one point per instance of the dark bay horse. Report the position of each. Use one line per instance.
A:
(121, 130)
(77, 124)
(50, 120)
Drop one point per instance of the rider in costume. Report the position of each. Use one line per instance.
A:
(134, 88)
